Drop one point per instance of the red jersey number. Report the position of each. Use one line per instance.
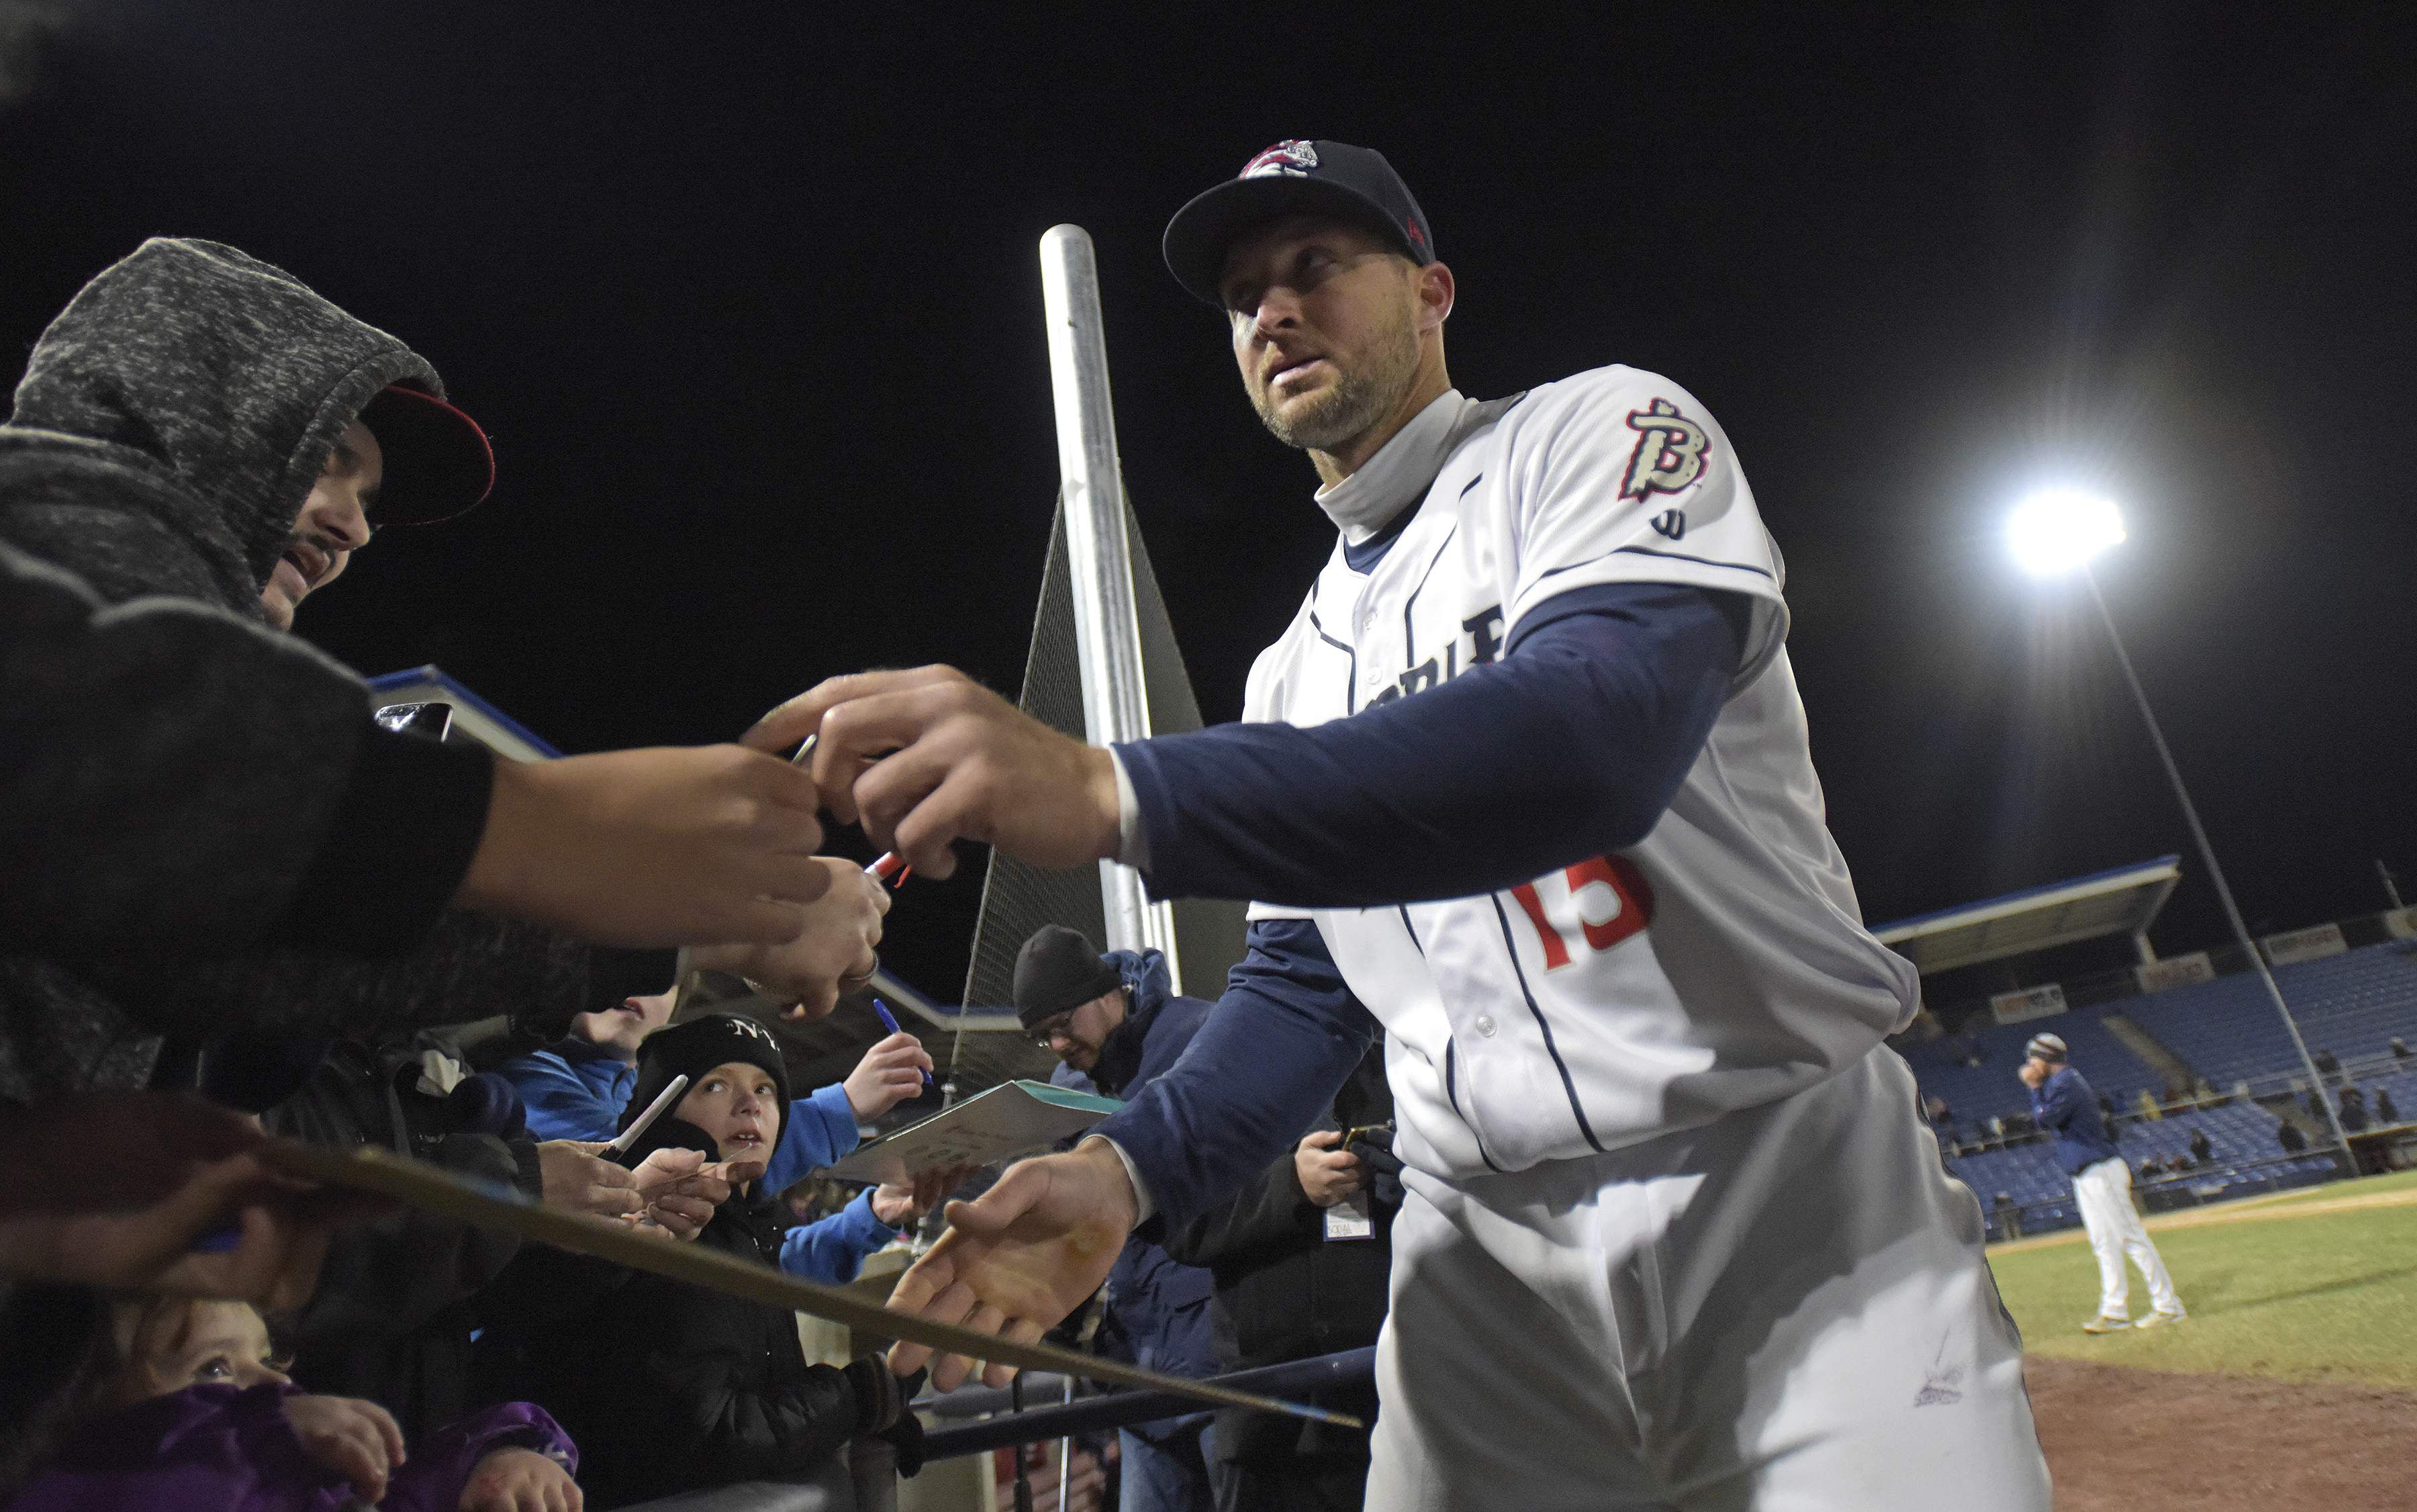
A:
(1612, 901)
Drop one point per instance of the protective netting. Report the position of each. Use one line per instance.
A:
(1018, 898)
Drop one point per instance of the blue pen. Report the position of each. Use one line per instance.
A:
(892, 1024)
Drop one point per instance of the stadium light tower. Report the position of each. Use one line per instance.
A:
(2059, 531)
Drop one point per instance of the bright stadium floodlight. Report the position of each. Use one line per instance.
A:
(2056, 530)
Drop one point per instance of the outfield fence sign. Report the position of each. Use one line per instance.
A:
(2175, 971)
(2305, 944)
(2034, 1003)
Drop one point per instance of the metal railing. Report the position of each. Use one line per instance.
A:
(1124, 1409)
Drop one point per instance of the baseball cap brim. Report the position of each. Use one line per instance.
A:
(438, 463)
(1207, 228)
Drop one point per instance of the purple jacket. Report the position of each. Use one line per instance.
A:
(220, 1446)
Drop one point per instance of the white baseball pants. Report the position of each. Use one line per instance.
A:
(2103, 1192)
(1787, 1311)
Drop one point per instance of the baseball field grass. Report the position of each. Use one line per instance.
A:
(2312, 1286)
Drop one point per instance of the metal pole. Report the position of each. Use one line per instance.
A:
(1107, 625)
(2391, 884)
(2216, 873)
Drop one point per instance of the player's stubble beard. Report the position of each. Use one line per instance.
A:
(1361, 395)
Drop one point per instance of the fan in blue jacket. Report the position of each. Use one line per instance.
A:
(576, 1088)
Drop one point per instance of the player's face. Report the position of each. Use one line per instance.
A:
(739, 1104)
(1326, 322)
(332, 523)
(623, 1028)
(2034, 1071)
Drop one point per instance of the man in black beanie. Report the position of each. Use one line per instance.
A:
(1070, 998)
(1117, 1020)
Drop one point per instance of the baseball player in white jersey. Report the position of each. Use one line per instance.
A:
(1526, 779)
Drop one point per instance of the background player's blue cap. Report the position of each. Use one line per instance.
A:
(1294, 179)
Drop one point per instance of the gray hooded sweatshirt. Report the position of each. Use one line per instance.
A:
(200, 828)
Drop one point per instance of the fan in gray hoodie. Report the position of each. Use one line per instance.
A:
(167, 437)
(169, 430)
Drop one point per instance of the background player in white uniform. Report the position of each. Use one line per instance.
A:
(1527, 779)
(2064, 1105)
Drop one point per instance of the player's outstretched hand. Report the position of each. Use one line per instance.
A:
(927, 757)
(832, 952)
(671, 846)
(1019, 1258)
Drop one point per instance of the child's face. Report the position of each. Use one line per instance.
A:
(739, 1106)
(223, 1342)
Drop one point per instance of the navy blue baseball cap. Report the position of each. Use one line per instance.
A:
(1334, 178)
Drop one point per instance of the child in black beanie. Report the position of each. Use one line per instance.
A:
(668, 1388)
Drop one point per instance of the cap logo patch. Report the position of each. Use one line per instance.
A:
(748, 1026)
(1289, 158)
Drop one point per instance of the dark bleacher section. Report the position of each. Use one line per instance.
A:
(2227, 1029)
(2244, 1158)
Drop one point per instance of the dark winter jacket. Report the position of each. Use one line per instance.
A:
(168, 430)
(1161, 1309)
(392, 1316)
(669, 1388)
(1287, 1292)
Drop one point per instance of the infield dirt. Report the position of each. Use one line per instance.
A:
(2127, 1440)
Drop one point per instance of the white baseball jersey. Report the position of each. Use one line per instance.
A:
(1718, 964)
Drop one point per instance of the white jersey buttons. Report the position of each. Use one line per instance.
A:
(1485, 1025)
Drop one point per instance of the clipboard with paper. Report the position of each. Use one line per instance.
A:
(1015, 1118)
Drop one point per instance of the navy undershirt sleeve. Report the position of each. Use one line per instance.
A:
(1571, 747)
(1264, 1067)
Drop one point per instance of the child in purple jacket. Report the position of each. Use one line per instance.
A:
(184, 1409)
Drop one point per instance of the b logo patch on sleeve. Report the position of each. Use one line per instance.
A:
(1669, 452)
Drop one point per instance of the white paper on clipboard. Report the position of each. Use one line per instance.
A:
(1013, 1119)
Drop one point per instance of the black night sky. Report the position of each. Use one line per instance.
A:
(749, 298)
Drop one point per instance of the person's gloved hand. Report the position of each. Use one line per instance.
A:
(880, 1396)
(905, 1437)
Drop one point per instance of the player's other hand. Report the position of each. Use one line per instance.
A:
(890, 1072)
(653, 847)
(114, 1189)
(1015, 1261)
(832, 952)
(1328, 1173)
(927, 757)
